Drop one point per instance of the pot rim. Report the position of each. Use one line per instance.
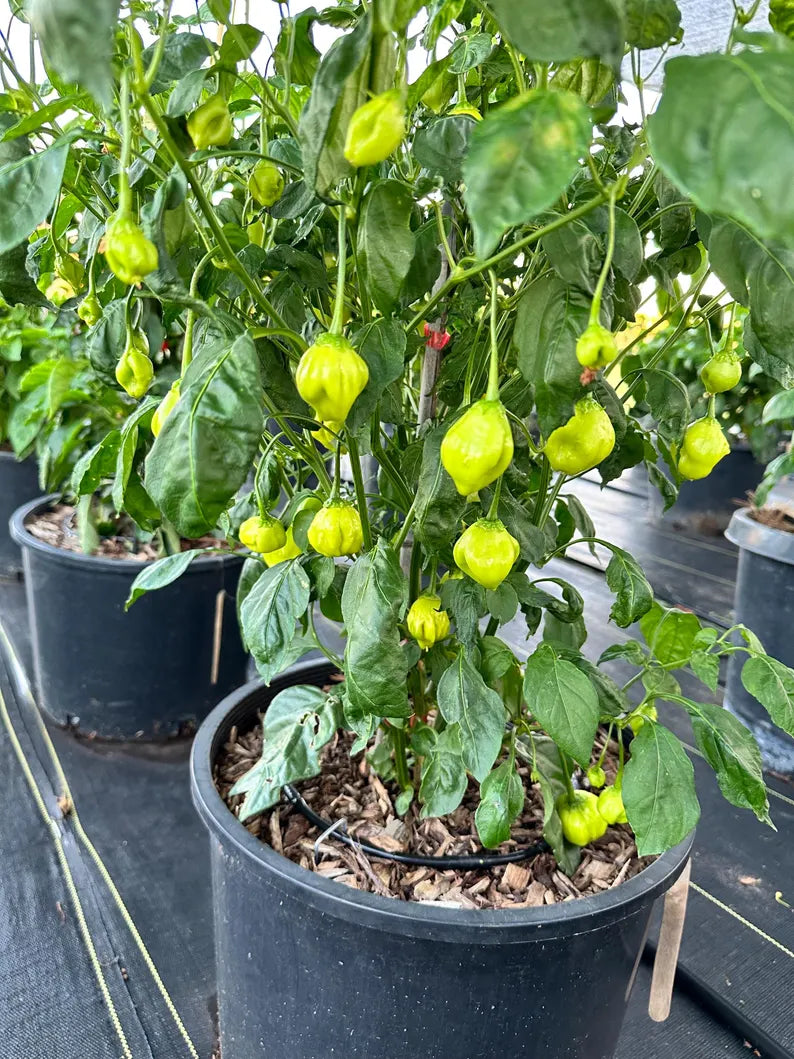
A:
(499, 926)
(25, 539)
(755, 537)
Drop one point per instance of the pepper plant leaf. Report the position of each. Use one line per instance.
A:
(659, 790)
(444, 777)
(464, 698)
(772, 683)
(269, 615)
(563, 700)
(634, 595)
(501, 800)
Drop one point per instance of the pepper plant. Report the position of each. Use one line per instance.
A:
(411, 257)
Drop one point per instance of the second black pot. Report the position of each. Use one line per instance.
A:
(19, 483)
(310, 969)
(143, 674)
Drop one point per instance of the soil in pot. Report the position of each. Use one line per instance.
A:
(348, 788)
(775, 517)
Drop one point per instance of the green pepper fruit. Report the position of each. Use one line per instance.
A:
(584, 441)
(135, 371)
(596, 776)
(262, 534)
(610, 806)
(478, 447)
(469, 112)
(290, 551)
(330, 377)
(129, 254)
(427, 622)
(328, 434)
(440, 92)
(165, 408)
(581, 821)
(60, 291)
(210, 125)
(89, 310)
(265, 184)
(485, 552)
(376, 129)
(596, 347)
(640, 715)
(703, 447)
(721, 372)
(336, 529)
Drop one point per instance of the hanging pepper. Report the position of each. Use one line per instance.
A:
(327, 435)
(584, 441)
(640, 715)
(129, 254)
(262, 533)
(330, 377)
(721, 372)
(376, 129)
(596, 776)
(135, 371)
(596, 347)
(165, 408)
(60, 291)
(282, 555)
(703, 447)
(478, 447)
(610, 806)
(265, 184)
(427, 622)
(210, 125)
(336, 529)
(581, 821)
(485, 552)
(89, 310)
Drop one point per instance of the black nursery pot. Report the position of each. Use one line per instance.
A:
(19, 482)
(144, 674)
(707, 505)
(309, 969)
(764, 602)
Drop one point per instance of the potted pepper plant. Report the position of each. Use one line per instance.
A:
(414, 252)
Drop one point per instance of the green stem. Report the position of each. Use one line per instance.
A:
(399, 745)
(493, 510)
(190, 319)
(399, 539)
(159, 47)
(543, 486)
(493, 364)
(415, 572)
(341, 271)
(595, 306)
(125, 193)
(361, 496)
(442, 234)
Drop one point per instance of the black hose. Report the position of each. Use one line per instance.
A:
(463, 862)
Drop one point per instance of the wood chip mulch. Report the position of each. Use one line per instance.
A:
(775, 517)
(348, 788)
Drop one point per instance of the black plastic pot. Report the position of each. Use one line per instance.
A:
(764, 602)
(707, 505)
(144, 674)
(19, 482)
(309, 969)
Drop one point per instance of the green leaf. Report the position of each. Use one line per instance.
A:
(502, 602)
(772, 683)
(382, 345)
(567, 29)
(439, 505)
(731, 750)
(441, 146)
(634, 596)
(161, 573)
(444, 779)
(496, 659)
(295, 50)
(675, 222)
(670, 633)
(125, 457)
(374, 601)
(78, 39)
(575, 254)
(563, 700)
(386, 244)
(779, 406)
(706, 668)
(550, 317)
(204, 452)
(299, 722)
(269, 614)
(659, 480)
(469, 51)
(631, 651)
(551, 778)
(652, 23)
(16, 286)
(521, 158)
(239, 42)
(96, 464)
(659, 790)
(252, 570)
(612, 700)
(464, 600)
(465, 698)
(501, 801)
(28, 189)
(735, 168)
(183, 53)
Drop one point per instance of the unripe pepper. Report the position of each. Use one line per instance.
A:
(165, 408)
(596, 776)
(376, 129)
(478, 447)
(336, 529)
(485, 552)
(60, 291)
(327, 435)
(581, 821)
(262, 533)
(129, 254)
(210, 125)
(610, 806)
(721, 372)
(89, 310)
(330, 377)
(290, 551)
(469, 112)
(265, 184)
(584, 441)
(427, 622)
(134, 371)
(638, 718)
(596, 347)
(703, 447)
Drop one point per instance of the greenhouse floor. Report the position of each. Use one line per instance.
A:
(136, 857)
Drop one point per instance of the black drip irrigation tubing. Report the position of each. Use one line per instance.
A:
(452, 862)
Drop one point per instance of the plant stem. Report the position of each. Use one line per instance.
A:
(125, 194)
(341, 270)
(493, 364)
(595, 305)
(361, 496)
(399, 746)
